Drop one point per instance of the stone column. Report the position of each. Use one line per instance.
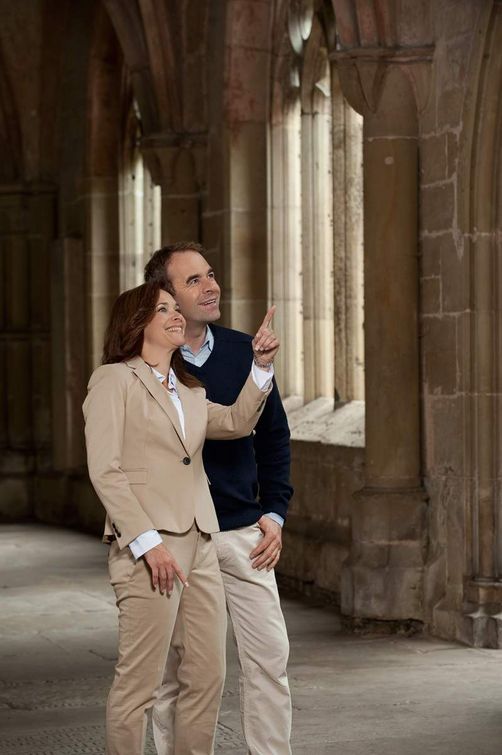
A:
(27, 228)
(383, 576)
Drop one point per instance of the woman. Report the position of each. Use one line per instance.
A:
(146, 422)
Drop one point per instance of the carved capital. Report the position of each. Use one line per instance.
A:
(363, 72)
(176, 159)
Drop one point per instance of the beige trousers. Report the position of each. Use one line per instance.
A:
(146, 624)
(263, 648)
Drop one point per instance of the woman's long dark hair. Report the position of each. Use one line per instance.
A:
(130, 315)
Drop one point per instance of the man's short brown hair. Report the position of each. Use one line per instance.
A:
(156, 267)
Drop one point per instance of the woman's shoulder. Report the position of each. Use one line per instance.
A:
(194, 391)
(118, 374)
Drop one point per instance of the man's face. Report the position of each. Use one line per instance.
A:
(195, 287)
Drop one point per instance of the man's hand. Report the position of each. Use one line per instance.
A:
(267, 553)
(163, 567)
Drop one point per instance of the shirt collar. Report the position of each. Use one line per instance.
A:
(171, 383)
(207, 344)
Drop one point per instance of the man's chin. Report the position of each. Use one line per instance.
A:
(211, 315)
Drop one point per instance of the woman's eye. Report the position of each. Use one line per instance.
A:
(162, 309)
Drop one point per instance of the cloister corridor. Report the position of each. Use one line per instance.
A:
(352, 695)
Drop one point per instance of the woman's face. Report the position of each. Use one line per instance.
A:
(166, 330)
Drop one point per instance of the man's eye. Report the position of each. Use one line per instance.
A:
(193, 282)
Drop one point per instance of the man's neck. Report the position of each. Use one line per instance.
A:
(195, 335)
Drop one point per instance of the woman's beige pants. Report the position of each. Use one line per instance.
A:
(146, 623)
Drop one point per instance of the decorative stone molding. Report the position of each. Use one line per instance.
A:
(363, 72)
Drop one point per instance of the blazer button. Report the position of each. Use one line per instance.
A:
(187, 460)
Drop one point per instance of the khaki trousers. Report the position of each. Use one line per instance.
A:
(146, 623)
(262, 645)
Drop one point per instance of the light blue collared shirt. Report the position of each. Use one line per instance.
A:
(204, 352)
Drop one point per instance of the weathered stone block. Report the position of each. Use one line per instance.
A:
(430, 295)
(382, 593)
(430, 255)
(437, 204)
(433, 159)
(454, 280)
(444, 422)
(388, 517)
(452, 150)
(439, 338)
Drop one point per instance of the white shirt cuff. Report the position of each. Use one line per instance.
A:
(144, 542)
(262, 378)
(275, 517)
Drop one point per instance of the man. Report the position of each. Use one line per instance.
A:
(249, 543)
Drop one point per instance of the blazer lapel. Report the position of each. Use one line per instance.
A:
(190, 410)
(159, 393)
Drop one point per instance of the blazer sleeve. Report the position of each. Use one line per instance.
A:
(104, 413)
(239, 419)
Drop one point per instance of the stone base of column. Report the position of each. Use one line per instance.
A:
(382, 579)
(478, 622)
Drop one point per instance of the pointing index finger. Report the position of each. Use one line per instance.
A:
(268, 317)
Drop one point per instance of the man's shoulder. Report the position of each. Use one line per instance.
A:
(229, 335)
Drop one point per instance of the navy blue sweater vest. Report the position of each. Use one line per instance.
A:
(249, 476)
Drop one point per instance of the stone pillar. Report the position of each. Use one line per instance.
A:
(383, 576)
(101, 259)
(27, 227)
(68, 369)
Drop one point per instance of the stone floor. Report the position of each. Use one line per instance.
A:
(352, 695)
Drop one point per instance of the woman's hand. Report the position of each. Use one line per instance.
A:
(163, 567)
(265, 342)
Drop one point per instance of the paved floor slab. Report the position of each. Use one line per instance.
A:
(352, 695)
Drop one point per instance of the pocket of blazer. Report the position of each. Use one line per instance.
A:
(136, 476)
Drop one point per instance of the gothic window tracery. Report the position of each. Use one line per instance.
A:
(316, 220)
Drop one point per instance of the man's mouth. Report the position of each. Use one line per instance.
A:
(209, 302)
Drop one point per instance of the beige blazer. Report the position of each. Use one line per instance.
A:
(143, 470)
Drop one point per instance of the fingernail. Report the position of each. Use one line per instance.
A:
(186, 584)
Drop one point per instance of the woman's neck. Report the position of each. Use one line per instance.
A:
(158, 358)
